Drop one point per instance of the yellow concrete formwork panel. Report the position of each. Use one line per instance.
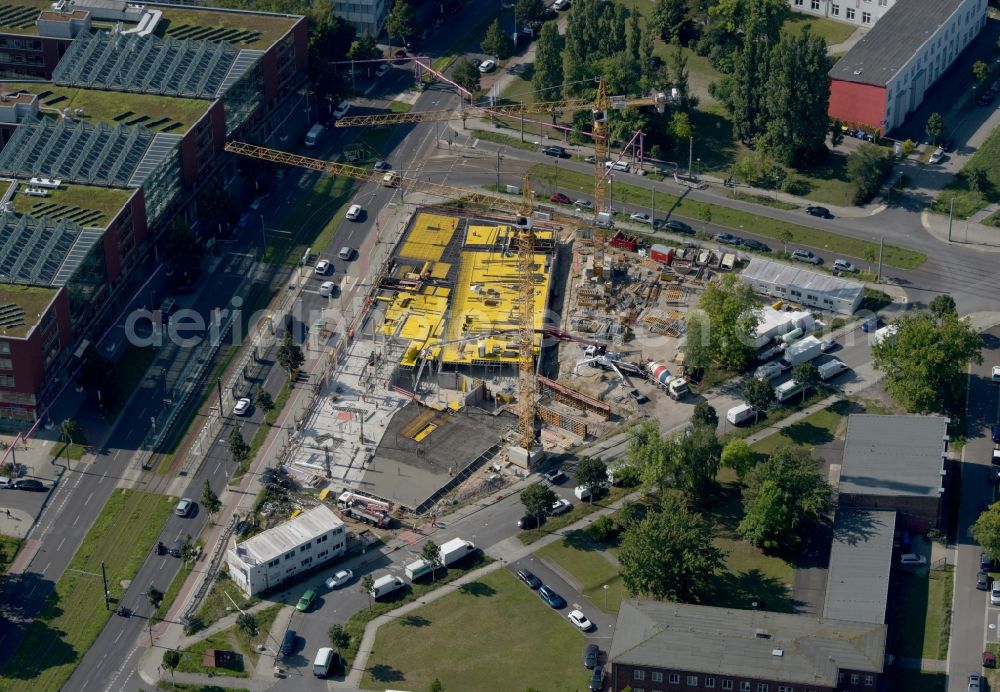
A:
(487, 236)
(429, 236)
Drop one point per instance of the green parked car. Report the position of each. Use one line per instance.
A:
(306, 601)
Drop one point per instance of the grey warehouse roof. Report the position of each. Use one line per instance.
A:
(860, 561)
(278, 540)
(781, 274)
(898, 456)
(894, 39)
(797, 649)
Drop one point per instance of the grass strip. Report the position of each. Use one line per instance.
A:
(8, 550)
(735, 219)
(269, 419)
(579, 511)
(74, 614)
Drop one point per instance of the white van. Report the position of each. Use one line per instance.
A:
(386, 584)
(617, 165)
(738, 415)
(582, 492)
(323, 662)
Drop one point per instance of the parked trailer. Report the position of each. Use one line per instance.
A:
(455, 549)
(803, 350)
(661, 253)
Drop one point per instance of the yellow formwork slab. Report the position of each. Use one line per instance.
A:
(479, 235)
(429, 236)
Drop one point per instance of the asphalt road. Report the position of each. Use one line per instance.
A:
(974, 621)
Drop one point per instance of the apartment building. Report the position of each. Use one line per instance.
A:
(862, 13)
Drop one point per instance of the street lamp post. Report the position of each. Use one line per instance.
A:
(605, 597)
(611, 193)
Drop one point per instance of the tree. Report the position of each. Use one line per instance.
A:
(704, 414)
(870, 255)
(733, 312)
(924, 364)
(679, 77)
(466, 74)
(942, 305)
(680, 127)
(981, 71)
(537, 499)
(70, 432)
(189, 551)
(738, 456)
(498, 42)
(807, 375)
(670, 554)
(759, 394)
(977, 178)
(780, 495)
(209, 500)
(290, 354)
(529, 12)
(171, 659)
(592, 474)
(154, 596)
(436, 686)
(263, 399)
(330, 37)
(786, 237)
(548, 76)
(669, 19)
(697, 345)
(934, 127)
(339, 637)
(795, 99)
(696, 462)
(400, 22)
(248, 624)
(867, 167)
(365, 48)
(651, 453)
(986, 530)
(238, 447)
(367, 584)
(431, 552)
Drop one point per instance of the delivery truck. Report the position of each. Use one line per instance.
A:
(831, 368)
(455, 549)
(385, 585)
(738, 415)
(802, 351)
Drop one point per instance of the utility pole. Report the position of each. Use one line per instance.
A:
(652, 202)
(690, 154)
(107, 594)
(218, 388)
(878, 276)
(499, 158)
(951, 216)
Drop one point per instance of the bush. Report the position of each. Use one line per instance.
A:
(627, 476)
(194, 625)
(868, 167)
(602, 529)
(796, 186)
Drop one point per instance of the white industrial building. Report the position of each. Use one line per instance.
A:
(774, 323)
(858, 12)
(266, 560)
(804, 287)
(367, 16)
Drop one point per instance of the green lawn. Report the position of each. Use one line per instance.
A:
(817, 428)
(827, 182)
(231, 639)
(731, 218)
(32, 299)
(592, 570)
(968, 202)
(74, 615)
(170, 595)
(271, 27)
(498, 620)
(752, 576)
(217, 606)
(580, 510)
(269, 419)
(830, 31)
(918, 614)
(74, 451)
(8, 550)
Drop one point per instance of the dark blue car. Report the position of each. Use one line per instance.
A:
(551, 597)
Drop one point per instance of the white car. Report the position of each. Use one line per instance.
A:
(768, 371)
(995, 593)
(560, 4)
(383, 69)
(326, 288)
(339, 579)
(580, 620)
(346, 253)
(845, 266)
(581, 204)
(184, 507)
(641, 218)
(322, 268)
(487, 66)
(937, 156)
(560, 506)
(242, 407)
(996, 373)
(342, 110)
(912, 559)
(354, 212)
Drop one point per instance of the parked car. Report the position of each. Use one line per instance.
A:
(590, 656)
(323, 267)
(727, 239)
(242, 407)
(339, 579)
(560, 506)
(989, 659)
(529, 578)
(327, 288)
(679, 227)
(995, 476)
(583, 204)
(806, 256)
(996, 373)
(995, 433)
(995, 593)
(341, 110)
(912, 560)
(306, 601)
(383, 166)
(755, 245)
(641, 218)
(983, 581)
(845, 266)
(29, 484)
(354, 212)
(555, 477)
(871, 324)
(487, 66)
(6, 482)
(985, 561)
(560, 198)
(975, 682)
(528, 521)
(937, 156)
(768, 371)
(558, 152)
(184, 507)
(821, 212)
(346, 253)
(551, 597)
(580, 620)
(597, 679)
(590, 159)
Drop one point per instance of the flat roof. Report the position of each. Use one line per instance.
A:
(18, 16)
(860, 562)
(21, 307)
(170, 114)
(756, 644)
(894, 39)
(241, 28)
(899, 456)
(782, 274)
(87, 205)
(279, 539)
